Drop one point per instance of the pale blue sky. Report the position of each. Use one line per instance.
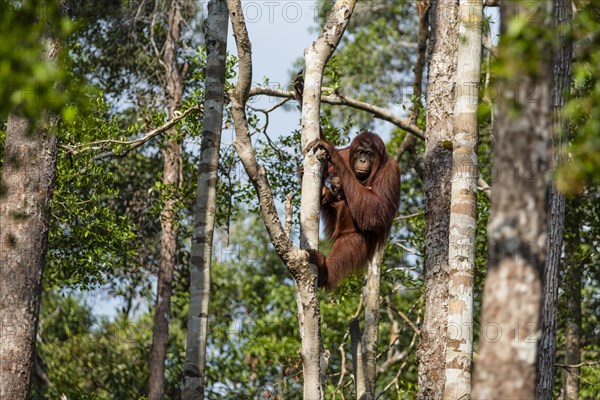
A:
(279, 32)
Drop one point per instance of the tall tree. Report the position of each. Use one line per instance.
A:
(573, 339)
(215, 32)
(556, 208)
(316, 57)
(506, 366)
(26, 188)
(27, 180)
(463, 207)
(437, 174)
(173, 79)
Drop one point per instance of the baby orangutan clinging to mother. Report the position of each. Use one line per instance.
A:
(359, 209)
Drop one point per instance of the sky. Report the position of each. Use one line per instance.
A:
(279, 32)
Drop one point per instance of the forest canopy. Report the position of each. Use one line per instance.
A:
(158, 193)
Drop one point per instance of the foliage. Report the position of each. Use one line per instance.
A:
(582, 241)
(86, 357)
(87, 237)
(30, 82)
(254, 338)
(583, 109)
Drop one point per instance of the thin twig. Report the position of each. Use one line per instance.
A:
(409, 216)
(403, 247)
(581, 364)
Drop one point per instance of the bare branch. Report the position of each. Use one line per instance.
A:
(487, 44)
(409, 216)
(338, 99)
(408, 321)
(484, 187)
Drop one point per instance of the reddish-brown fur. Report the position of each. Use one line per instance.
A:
(359, 219)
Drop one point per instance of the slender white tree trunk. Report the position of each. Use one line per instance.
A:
(370, 335)
(215, 32)
(463, 204)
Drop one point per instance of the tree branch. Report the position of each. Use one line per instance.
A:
(133, 144)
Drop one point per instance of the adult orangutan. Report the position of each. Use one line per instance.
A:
(358, 215)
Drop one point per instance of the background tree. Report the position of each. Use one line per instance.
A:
(556, 203)
(517, 227)
(26, 188)
(205, 214)
(173, 80)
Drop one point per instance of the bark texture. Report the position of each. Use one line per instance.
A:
(357, 360)
(168, 216)
(215, 32)
(463, 208)
(371, 333)
(556, 209)
(506, 366)
(26, 188)
(437, 181)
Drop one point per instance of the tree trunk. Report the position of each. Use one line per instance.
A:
(572, 292)
(556, 210)
(168, 216)
(437, 174)
(463, 208)
(215, 32)
(357, 360)
(506, 366)
(28, 178)
(309, 315)
(371, 333)
(26, 188)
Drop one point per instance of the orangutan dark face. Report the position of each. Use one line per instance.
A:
(362, 161)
